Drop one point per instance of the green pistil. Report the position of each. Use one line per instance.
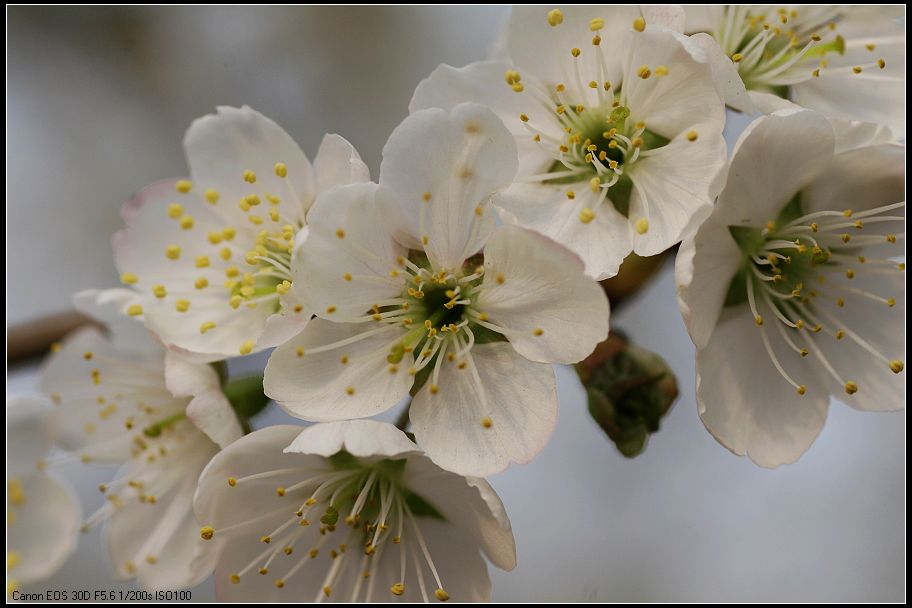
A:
(156, 429)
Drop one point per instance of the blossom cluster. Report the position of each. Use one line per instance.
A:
(447, 287)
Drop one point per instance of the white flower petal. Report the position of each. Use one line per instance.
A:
(725, 74)
(99, 387)
(468, 502)
(544, 50)
(670, 104)
(746, 404)
(875, 95)
(516, 396)
(859, 179)
(775, 157)
(32, 428)
(221, 147)
(42, 530)
(456, 160)
(352, 381)
(337, 163)
(109, 306)
(536, 288)
(248, 505)
(363, 438)
(673, 185)
(704, 267)
(603, 243)
(344, 266)
(168, 532)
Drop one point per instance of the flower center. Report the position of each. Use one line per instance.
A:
(784, 46)
(800, 265)
(352, 518)
(599, 141)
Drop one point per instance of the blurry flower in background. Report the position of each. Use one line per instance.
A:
(211, 255)
(618, 124)
(843, 61)
(42, 514)
(793, 289)
(348, 511)
(405, 302)
(115, 407)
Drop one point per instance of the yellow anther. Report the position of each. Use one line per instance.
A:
(172, 252)
(255, 219)
(881, 63)
(845, 238)
(246, 348)
(340, 233)
(637, 142)
(816, 73)
(803, 352)
(512, 77)
(441, 595)
(159, 291)
(586, 215)
(642, 225)
(891, 302)
(234, 578)
(206, 326)
(639, 24)
(851, 388)
(891, 238)
(175, 210)
(186, 222)
(249, 176)
(134, 310)
(737, 57)
(202, 261)
(596, 24)
(840, 302)
(518, 87)
(280, 491)
(555, 17)
(802, 389)
(575, 52)
(330, 310)
(661, 70)
(397, 589)
(596, 40)
(644, 72)
(487, 422)
(263, 571)
(128, 278)
(314, 553)
(896, 366)
(266, 539)
(327, 591)
(235, 301)
(857, 70)
(799, 324)
(571, 195)
(692, 135)
(207, 532)
(151, 559)
(211, 196)
(850, 274)
(183, 186)
(758, 320)
(229, 233)
(538, 331)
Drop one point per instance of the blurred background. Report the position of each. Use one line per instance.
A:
(97, 103)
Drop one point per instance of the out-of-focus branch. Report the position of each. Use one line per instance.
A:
(35, 337)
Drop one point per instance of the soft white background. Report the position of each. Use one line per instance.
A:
(98, 100)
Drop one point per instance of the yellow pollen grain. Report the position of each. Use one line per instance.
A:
(518, 87)
(172, 252)
(234, 578)
(201, 283)
(642, 225)
(441, 595)
(134, 310)
(175, 210)
(487, 422)
(692, 136)
(802, 389)
(856, 70)
(538, 331)
(639, 24)
(851, 388)
(206, 326)
(350, 390)
(881, 63)
(555, 17)
(575, 52)
(232, 482)
(186, 222)
(128, 278)
(340, 233)
(182, 305)
(280, 491)
(281, 170)
(183, 186)
(661, 70)
(212, 196)
(596, 24)
(207, 532)
(586, 215)
(330, 310)
(202, 261)
(891, 302)
(758, 320)
(249, 176)
(644, 72)
(397, 589)
(246, 348)
(737, 57)
(896, 366)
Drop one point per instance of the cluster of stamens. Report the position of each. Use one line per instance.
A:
(599, 142)
(250, 263)
(361, 515)
(808, 264)
(783, 47)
